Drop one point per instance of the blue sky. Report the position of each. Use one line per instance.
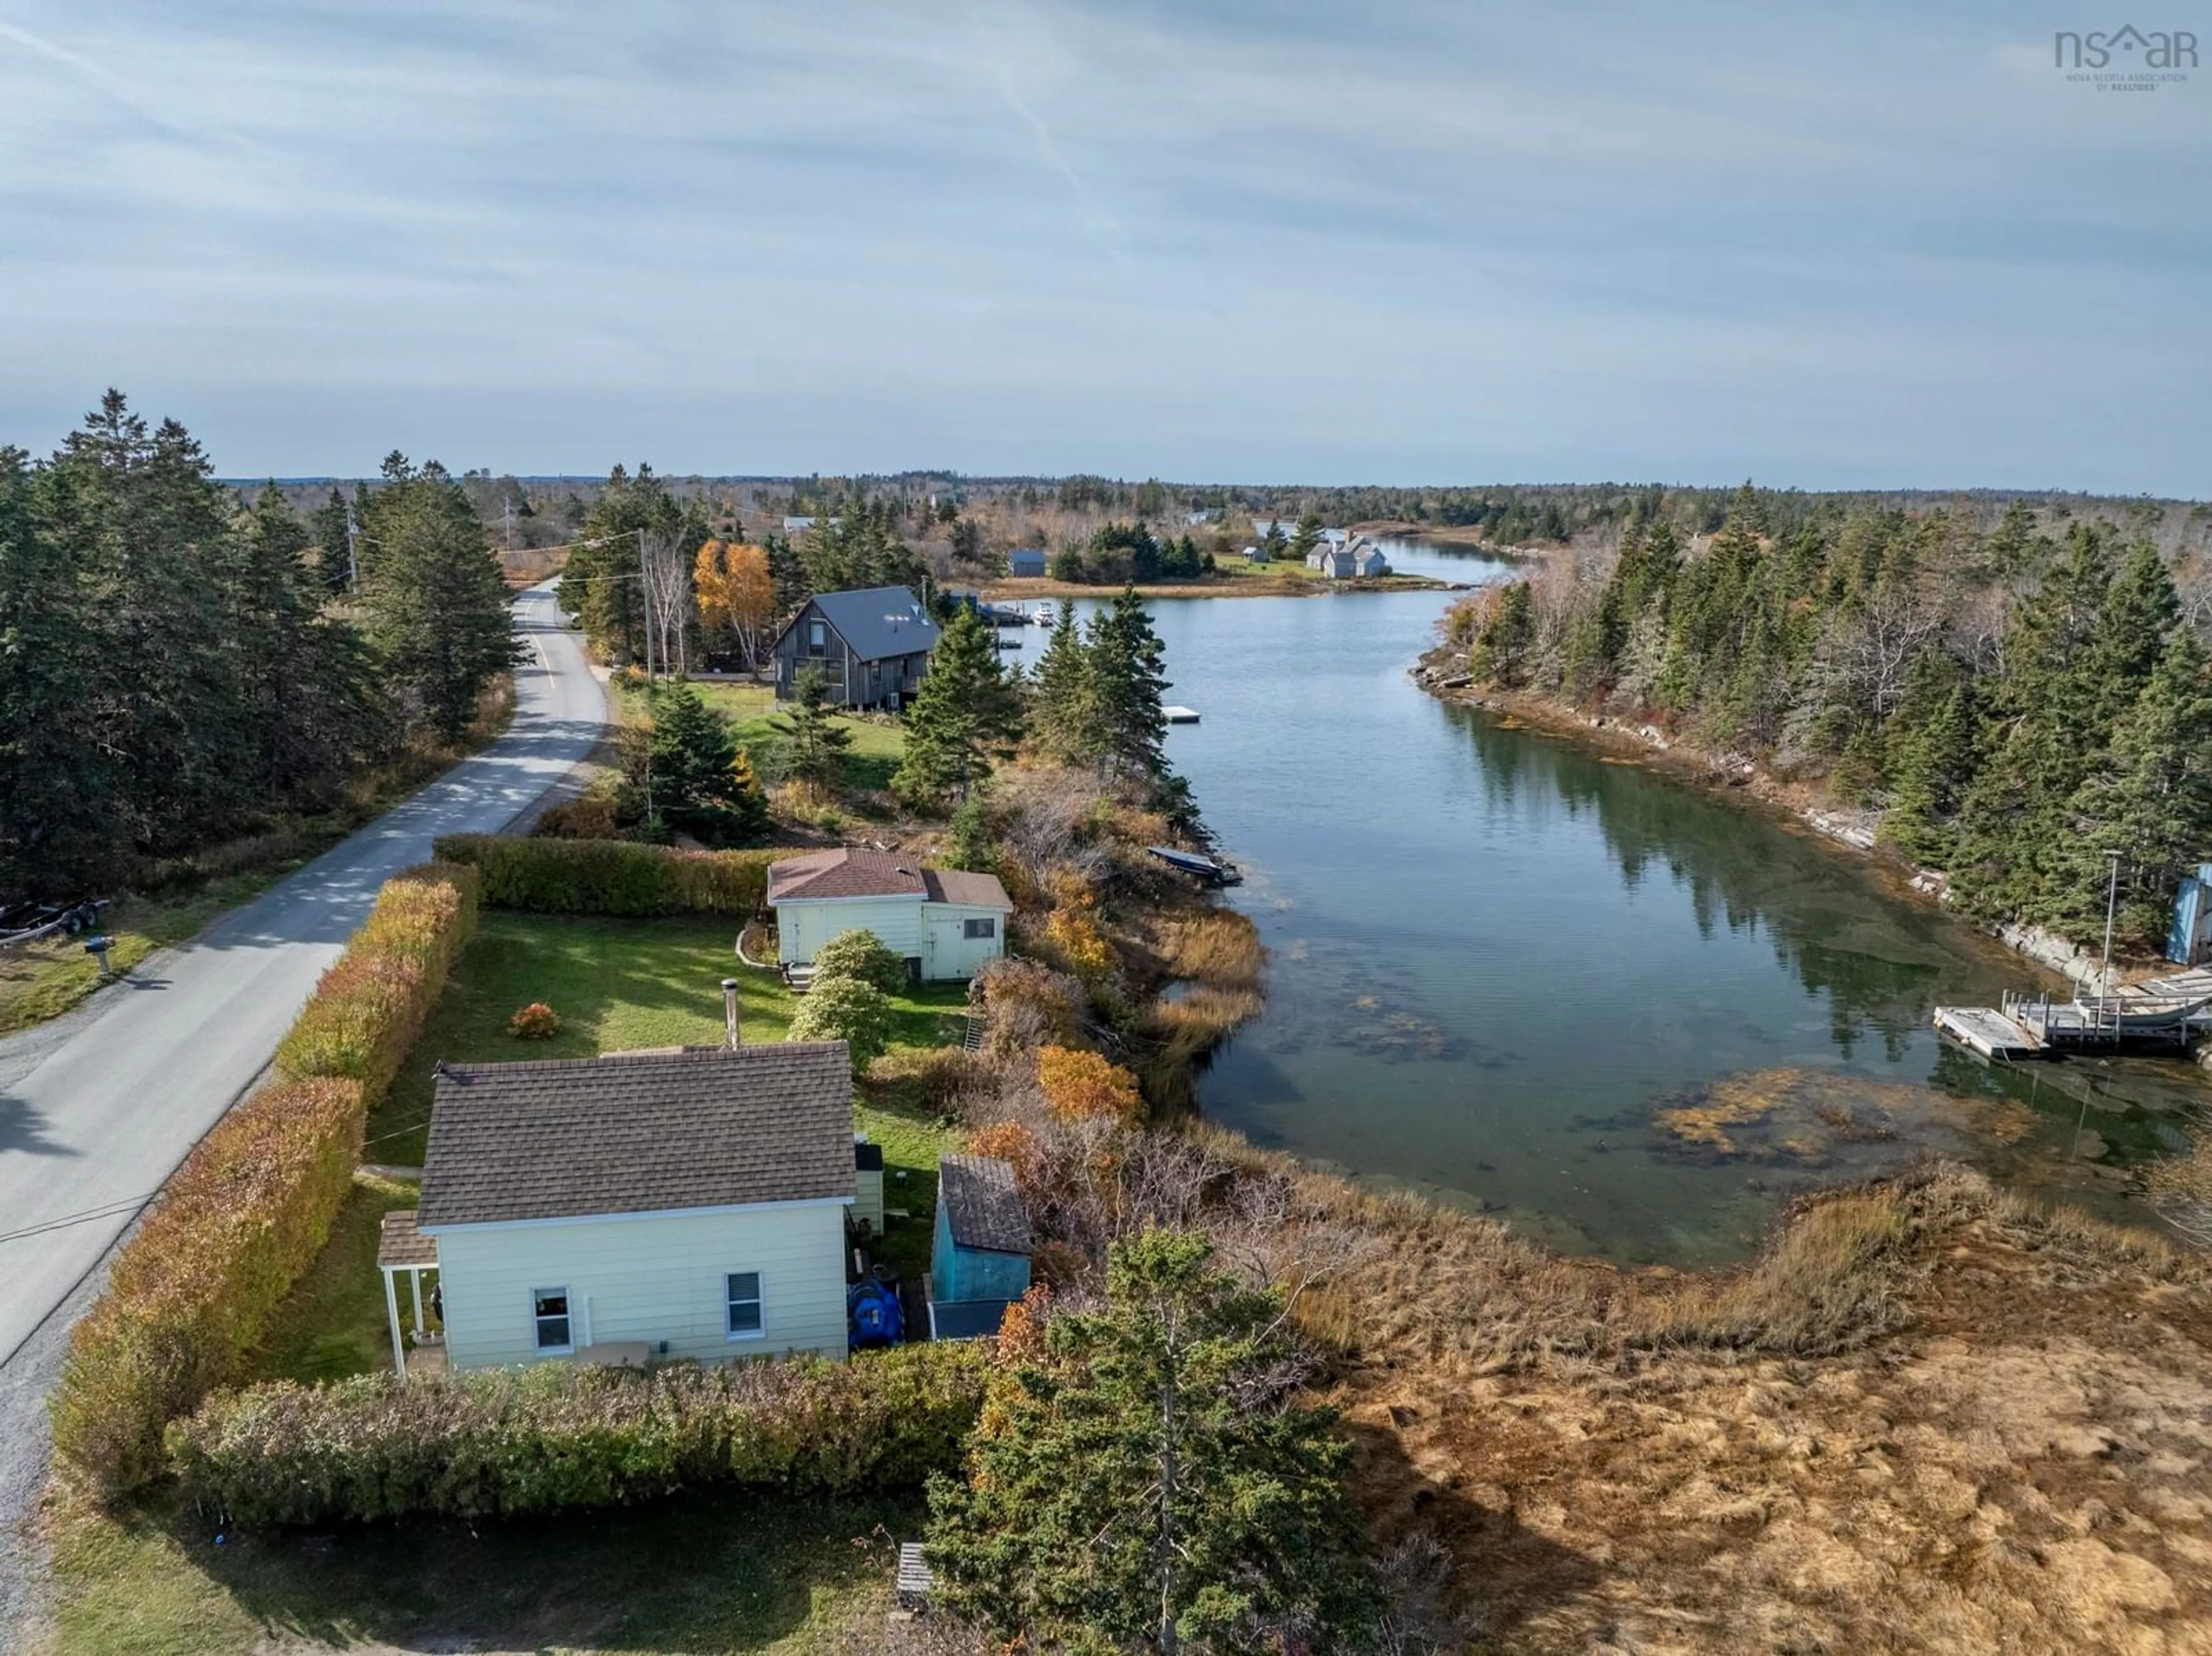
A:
(1372, 242)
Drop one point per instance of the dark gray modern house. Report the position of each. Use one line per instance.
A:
(872, 645)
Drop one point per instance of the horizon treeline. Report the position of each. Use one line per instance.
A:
(178, 665)
(2016, 704)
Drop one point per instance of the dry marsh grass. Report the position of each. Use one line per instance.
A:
(1930, 1416)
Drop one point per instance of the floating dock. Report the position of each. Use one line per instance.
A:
(1180, 715)
(2160, 1012)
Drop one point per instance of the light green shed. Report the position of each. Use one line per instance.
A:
(944, 924)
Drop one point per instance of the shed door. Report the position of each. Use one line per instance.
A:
(941, 947)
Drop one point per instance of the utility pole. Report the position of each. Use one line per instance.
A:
(645, 585)
(353, 562)
(2112, 906)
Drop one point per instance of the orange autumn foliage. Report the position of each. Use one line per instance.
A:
(1082, 1086)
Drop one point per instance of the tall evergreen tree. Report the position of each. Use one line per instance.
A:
(58, 774)
(966, 709)
(2149, 798)
(814, 744)
(436, 603)
(1126, 689)
(1151, 1482)
(327, 534)
(1061, 714)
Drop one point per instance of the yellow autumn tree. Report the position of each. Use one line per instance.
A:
(736, 596)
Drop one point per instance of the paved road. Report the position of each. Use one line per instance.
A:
(95, 1111)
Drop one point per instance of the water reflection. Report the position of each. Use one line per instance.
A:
(1509, 972)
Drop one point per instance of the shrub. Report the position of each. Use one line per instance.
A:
(587, 817)
(1082, 1086)
(862, 955)
(612, 876)
(1083, 947)
(535, 1021)
(1024, 1004)
(192, 1292)
(250, 1209)
(930, 1079)
(503, 1443)
(846, 1009)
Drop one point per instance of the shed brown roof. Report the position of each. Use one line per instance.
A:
(953, 885)
(856, 871)
(848, 871)
(399, 1244)
(639, 1132)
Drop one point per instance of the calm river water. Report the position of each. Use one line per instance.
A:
(1630, 1016)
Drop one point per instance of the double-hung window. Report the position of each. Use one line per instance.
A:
(742, 1295)
(550, 1308)
(979, 928)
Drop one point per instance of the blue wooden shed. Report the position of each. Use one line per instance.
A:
(2192, 936)
(1025, 562)
(980, 1259)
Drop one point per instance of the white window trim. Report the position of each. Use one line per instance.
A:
(760, 1300)
(537, 1319)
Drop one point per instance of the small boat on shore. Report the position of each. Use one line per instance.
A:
(1211, 869)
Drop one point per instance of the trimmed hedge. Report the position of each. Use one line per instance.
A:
(191, 1294)
(612, 876)
(502, 1442)
(369, 1009)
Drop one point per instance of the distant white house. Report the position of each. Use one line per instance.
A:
(687, 1203)
(1348, 562)
(943, 923)
(797, 526)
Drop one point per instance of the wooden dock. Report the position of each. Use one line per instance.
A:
(1180, 715)
(2162, 1011)
(1987, 1031)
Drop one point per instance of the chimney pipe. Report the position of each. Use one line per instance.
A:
(730, 1011)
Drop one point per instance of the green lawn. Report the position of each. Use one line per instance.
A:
(879, 740)
(748, 1571)
(617, 984)
(333, 1324)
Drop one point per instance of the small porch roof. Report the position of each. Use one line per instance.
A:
(401, 1245)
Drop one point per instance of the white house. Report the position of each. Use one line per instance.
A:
(943, 923)
(688, 1202)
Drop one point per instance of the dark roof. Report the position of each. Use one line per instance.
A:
(981, 1206)
(953, 885)
(848, 871)
(639, 1132)
(878, 621)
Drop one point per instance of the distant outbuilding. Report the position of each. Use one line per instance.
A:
(979, 1262)
(1025, 562)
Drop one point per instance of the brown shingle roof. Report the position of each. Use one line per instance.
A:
(399, 1243)
(639, 1132)
(851, 871)
(953, 885)
(984, 1209)
(846, 872)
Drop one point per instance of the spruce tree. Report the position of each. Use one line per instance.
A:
(2149, 798)
(966, 709)
(1150, 1481)
(702, 783)
(436, 603)
(1127, 685)
(814, 743)
(1061, 714)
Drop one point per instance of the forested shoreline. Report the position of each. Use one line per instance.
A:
(180, 664)
(2016, 701)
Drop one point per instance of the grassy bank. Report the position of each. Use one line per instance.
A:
(878, 741)
(680, 1578)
